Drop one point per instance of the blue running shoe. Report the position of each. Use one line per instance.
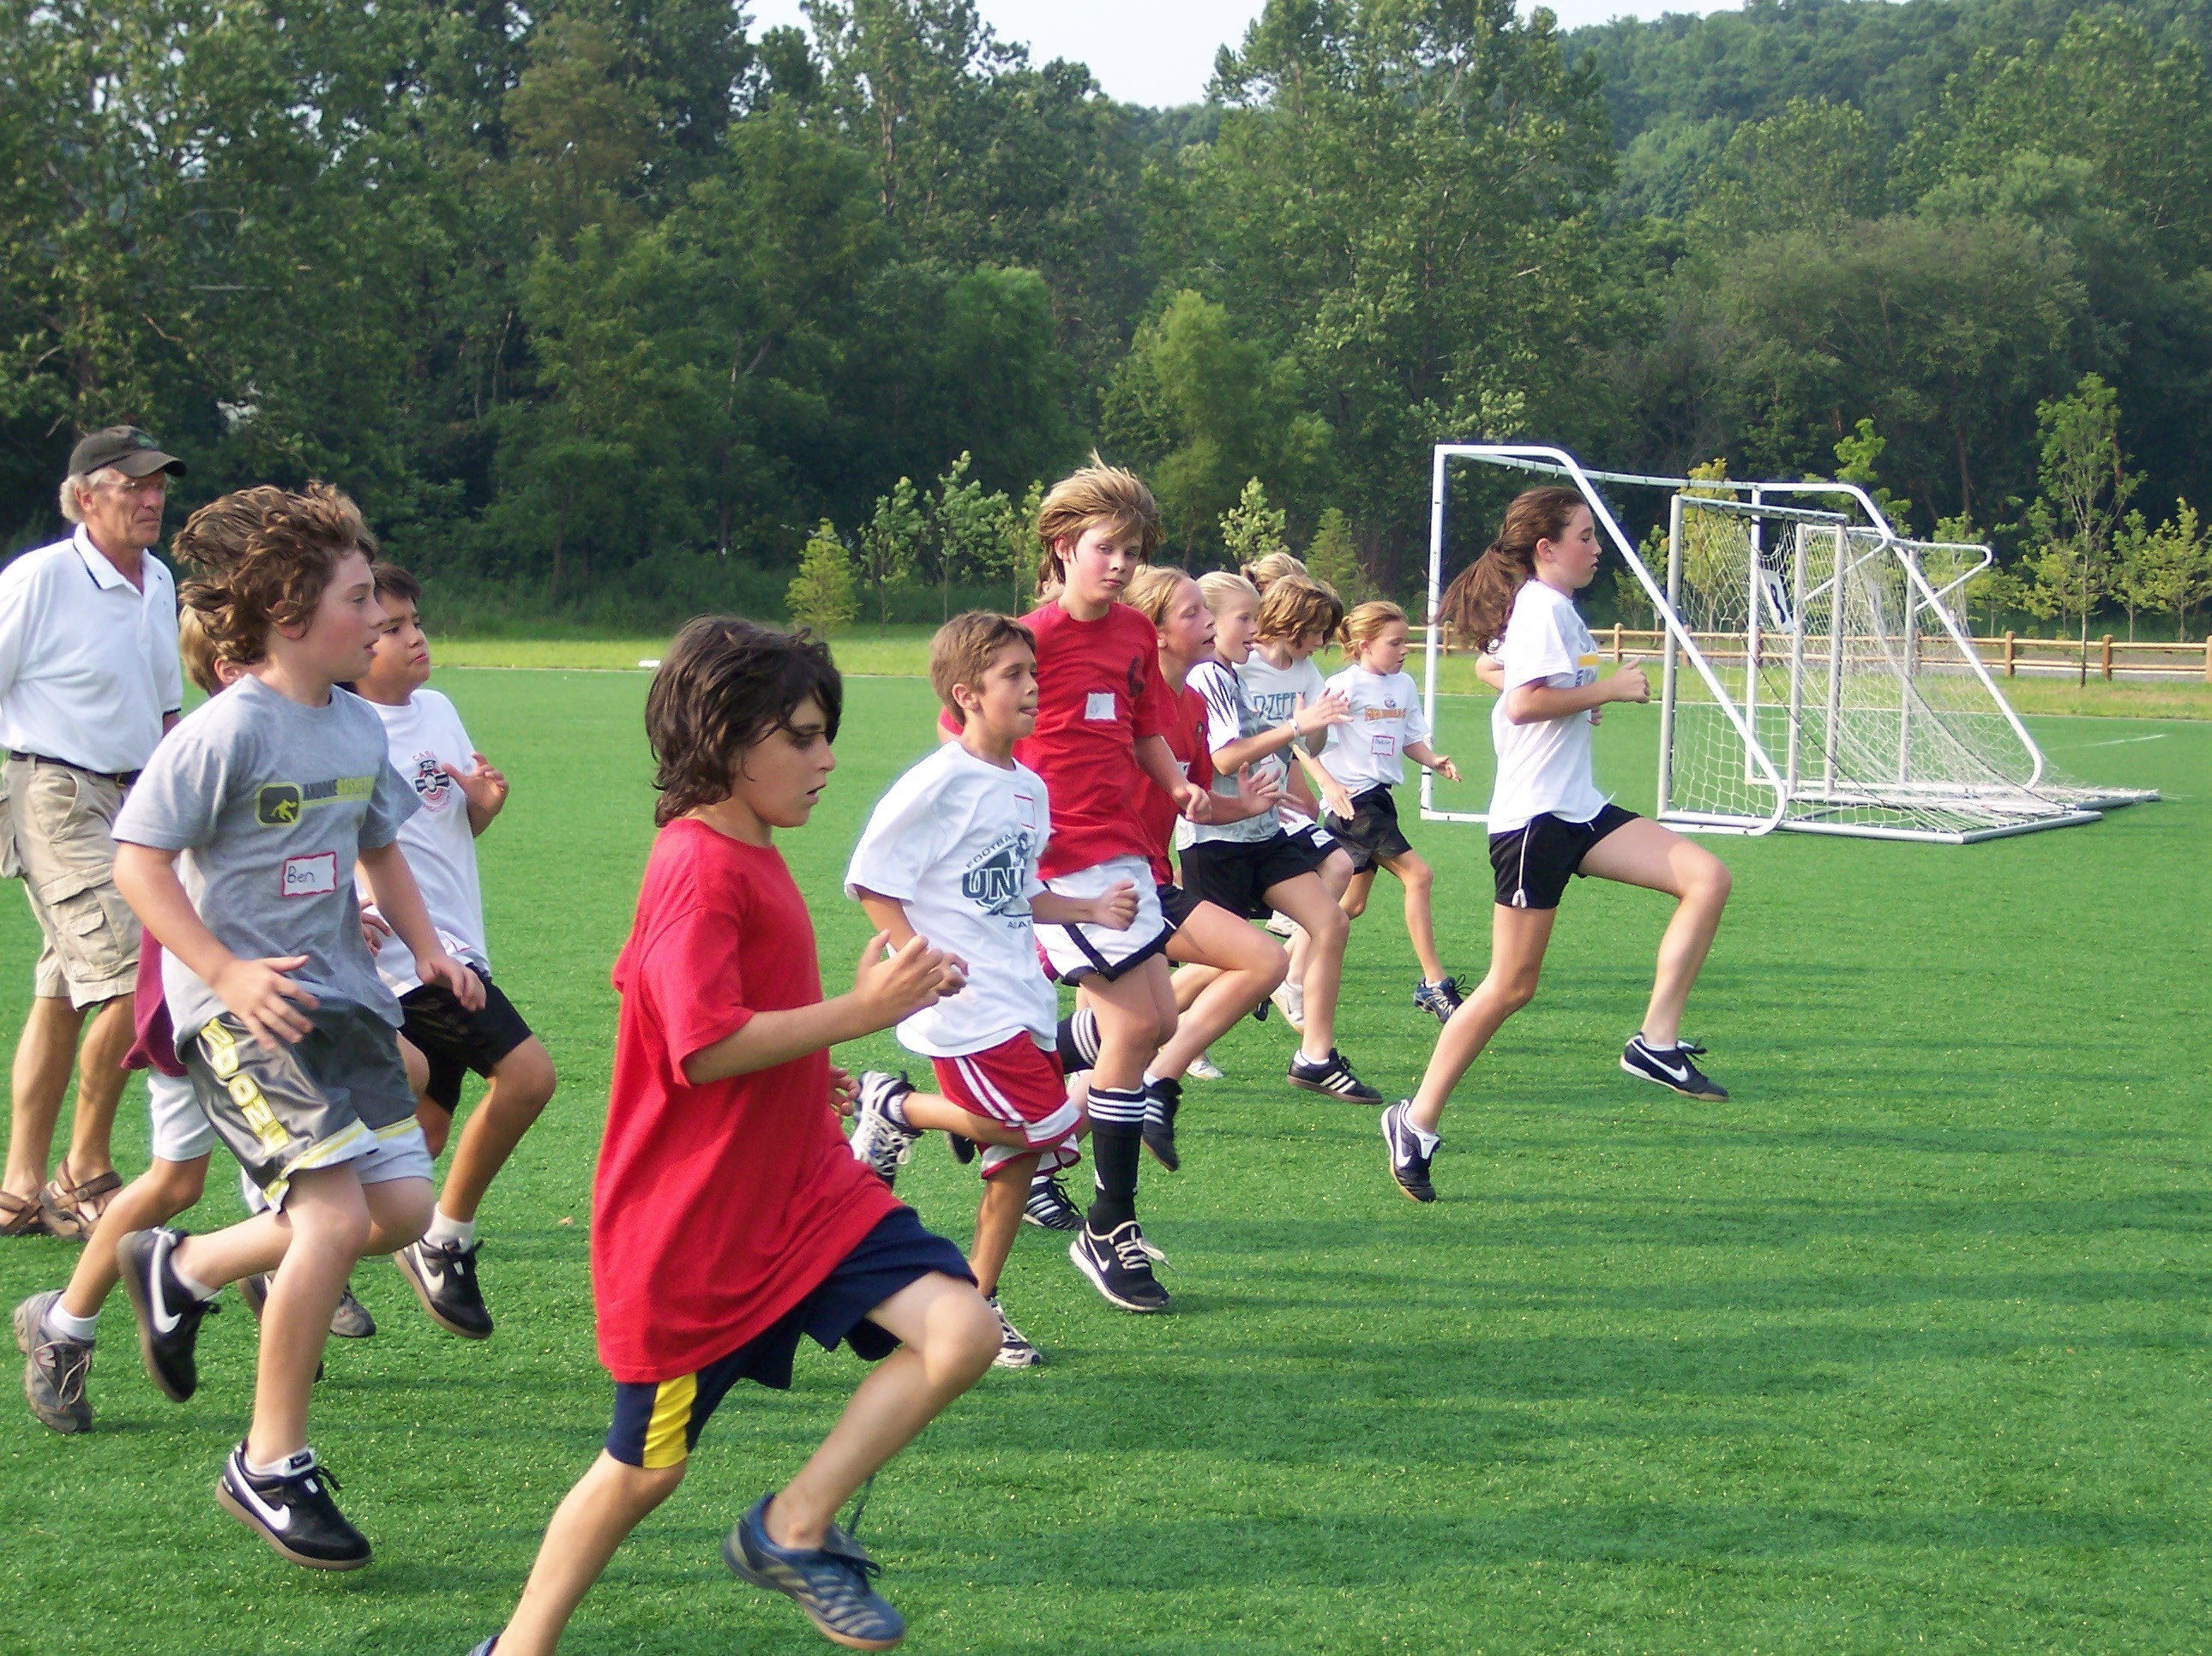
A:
(1440, 1000)
(1670, 1066)
(829, 1583)
(1409, 1162)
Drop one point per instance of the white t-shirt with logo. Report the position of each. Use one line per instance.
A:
(422, 739)
(1276, 694)
(1386, 714)
(956, 843)
(1544, 765)
(1230, 718)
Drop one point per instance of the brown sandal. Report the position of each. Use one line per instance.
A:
(71, 1211)
(22, 1215)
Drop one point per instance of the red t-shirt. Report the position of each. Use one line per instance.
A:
(155, 1048)
(1186, 740)
(716, 1207)
(1099, 690)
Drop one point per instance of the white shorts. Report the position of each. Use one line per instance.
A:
(406, 1154)
(182, 1131)
(1077, 952)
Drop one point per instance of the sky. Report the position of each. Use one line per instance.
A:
(1161, 51)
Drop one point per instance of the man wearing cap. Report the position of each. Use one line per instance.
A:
(88, 682)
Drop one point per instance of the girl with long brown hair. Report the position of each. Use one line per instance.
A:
(1548, 821)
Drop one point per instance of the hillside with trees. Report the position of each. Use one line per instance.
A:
(612, 310)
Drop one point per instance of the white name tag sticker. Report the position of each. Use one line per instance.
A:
(1383, 746)
(1025, 810)
(311, 876)
(1099, 704)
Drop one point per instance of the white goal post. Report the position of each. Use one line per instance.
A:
(1815, 671)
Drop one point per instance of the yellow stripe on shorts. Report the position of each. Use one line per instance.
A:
(671, 1419)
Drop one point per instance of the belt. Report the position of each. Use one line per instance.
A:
(121, 779)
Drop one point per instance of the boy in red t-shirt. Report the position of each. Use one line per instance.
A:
(728, 1217)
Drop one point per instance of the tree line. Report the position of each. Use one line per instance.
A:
(613, 309)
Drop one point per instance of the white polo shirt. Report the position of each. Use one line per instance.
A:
(88, 662)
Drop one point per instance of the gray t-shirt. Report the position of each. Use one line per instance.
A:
(270, 801)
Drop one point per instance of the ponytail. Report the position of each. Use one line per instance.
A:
(1480, 601)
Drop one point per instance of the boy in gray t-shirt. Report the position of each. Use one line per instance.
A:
(237, 850)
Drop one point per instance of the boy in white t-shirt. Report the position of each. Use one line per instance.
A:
(1367, 755)
(1548, 822)
(950, 853)
(460, 794)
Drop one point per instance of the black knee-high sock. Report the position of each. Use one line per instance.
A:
(1117, 1132)
(1079, 1041)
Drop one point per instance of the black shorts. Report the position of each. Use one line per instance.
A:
(656, 1422)
(1176, 905)
(1533, 863)
(1372, 833)
(455, 1040)
(1238, 874)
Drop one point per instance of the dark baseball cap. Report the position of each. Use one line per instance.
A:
(126, 448)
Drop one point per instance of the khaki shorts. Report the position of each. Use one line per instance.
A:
(60, 828)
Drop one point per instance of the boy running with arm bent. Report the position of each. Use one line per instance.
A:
(728, 1216)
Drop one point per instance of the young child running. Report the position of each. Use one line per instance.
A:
(1368, 757)
(1548, 821)
(1101, 710)
(269, 794)
(728, 1217)
(952, 852)
(460, 794)
(1260, 866)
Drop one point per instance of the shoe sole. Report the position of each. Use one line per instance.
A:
(422, 1298)
(735, 1560)
(1090, 1275)
(237, 1508)
(134, 1290)
(1034, 1360)
(1168, 1159)
(1331, 1092)
(1716, 1097)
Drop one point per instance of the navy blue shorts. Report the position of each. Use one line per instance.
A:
(656, 1422)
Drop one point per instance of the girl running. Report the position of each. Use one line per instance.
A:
(1368, 758)
(1547, 820)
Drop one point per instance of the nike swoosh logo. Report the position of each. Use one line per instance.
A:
(276, 1517)
(433, 1275)
(1666, 1068)
(165, 1320)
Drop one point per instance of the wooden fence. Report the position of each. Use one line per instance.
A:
(2006, 655)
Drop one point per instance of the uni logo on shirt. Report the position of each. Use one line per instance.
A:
(279, 804)
(994, 884)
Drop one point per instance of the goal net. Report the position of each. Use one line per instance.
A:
(1815, 671)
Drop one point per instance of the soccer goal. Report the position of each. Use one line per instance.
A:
(1815, 672)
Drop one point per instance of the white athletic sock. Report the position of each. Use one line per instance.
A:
(1650, 1046)
(197, 1289)
(449, 1233)
(298, 1461)
(1428, 1140)
(75, 1328)
(1150, 1079)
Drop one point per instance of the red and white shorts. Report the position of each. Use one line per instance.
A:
(1019, 1085)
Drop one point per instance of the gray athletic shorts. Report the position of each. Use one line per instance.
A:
(340, 1093)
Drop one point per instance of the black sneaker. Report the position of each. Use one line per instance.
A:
(1120, 1266)
(169, 1318)
(1014, 1349)
(54, 1367)
(831, 1582)
(877, 1139)
(350, 1321)
(444, 1277)
(293, 1511)
(1440, 1000)
(1409, 1162)
(963, 1148)
(1670, 1066)
(1334, 1077)
(1162, 1100)
(1049, 1206)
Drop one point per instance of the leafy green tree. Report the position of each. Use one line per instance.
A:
(968, 534)
(1816, 167)
(892, 545)
(1333, 556)
(1252, 530)
(2085, 485)
(821, 596)
(2168, 569)
(1856, 458)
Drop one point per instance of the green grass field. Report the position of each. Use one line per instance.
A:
(1905, 1347)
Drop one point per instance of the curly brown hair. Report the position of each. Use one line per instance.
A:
(1480, 601)
(726, 685)
(268, 554)
(1294, 606)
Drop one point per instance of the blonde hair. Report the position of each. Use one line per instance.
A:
(1153, 589)
(1276, 566)
(963, 650)
(1223, 589)
(195, 649)
(1366, 622)
(1098, 493)
(1294, 606)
